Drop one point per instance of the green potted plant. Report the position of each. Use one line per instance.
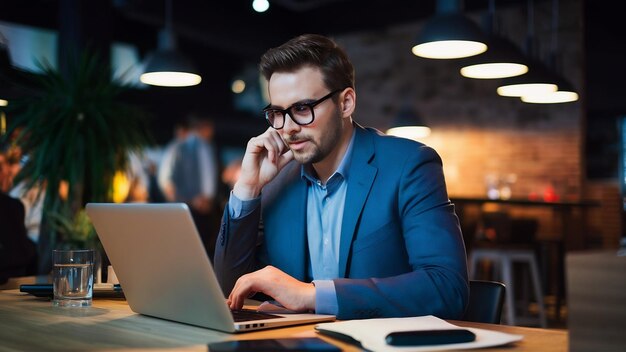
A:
(75, 132)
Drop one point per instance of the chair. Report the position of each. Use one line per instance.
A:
(504, 259)
(485, 302)
(512, 243)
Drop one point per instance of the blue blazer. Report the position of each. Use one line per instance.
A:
(401, 248)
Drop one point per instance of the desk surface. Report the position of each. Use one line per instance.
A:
(30, 323)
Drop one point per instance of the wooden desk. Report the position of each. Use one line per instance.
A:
(30, 323)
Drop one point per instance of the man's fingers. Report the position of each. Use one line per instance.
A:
(272, 149)
(243, 288)
(234, 301)
(285, 158)
(280, 144)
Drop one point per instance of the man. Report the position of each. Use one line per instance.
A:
(190, 174)
(365, 216)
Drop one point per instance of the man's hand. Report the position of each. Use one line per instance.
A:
(265, 156)
(292, 294)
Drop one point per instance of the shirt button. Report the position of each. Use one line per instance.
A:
(326, 241)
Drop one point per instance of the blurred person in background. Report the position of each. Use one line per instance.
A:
(189, 173)
(164, 169)
(31, 199)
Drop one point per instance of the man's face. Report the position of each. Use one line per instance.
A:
(314, 142)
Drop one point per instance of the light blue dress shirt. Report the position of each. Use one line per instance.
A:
(325, 205)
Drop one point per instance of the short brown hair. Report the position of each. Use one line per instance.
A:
(310, 50)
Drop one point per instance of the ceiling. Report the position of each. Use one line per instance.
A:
(229, 27)
(220, 37)
(223, 37)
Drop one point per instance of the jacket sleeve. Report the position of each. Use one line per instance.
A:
(236, 247)
(437, 283)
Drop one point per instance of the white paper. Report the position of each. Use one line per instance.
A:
(372, 332)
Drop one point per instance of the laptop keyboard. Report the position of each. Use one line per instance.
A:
(249, 314)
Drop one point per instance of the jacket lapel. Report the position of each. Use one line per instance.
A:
(360, 181)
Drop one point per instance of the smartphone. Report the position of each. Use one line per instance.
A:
(268, 345)
(429, 337)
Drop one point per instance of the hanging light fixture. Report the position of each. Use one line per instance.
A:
(166, 66)
(566, 92)
(538, 80)
(409, 124)
(502, 59)
(449, 35)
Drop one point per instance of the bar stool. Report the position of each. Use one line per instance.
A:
(503, 259)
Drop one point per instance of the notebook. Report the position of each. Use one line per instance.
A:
(164, 270)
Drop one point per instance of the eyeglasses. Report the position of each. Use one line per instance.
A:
(300, 113)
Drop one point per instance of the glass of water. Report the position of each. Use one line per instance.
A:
(72, 277)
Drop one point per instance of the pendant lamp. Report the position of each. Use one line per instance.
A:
(502, 59)
(560, 96)
(409, 124)
(449, 34)
(566, 92)
(538, 80)
(166, 66)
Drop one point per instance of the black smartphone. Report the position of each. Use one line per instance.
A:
(429, 337)
(268, 345)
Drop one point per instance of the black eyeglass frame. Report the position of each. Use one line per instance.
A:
(285, 112)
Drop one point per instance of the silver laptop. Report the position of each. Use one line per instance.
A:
(164, 270)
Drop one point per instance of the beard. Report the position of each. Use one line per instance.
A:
(319, 149)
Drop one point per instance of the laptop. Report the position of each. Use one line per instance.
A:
(165, 271)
